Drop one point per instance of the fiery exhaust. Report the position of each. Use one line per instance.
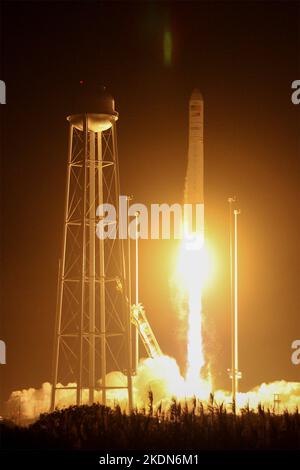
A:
(193, 272)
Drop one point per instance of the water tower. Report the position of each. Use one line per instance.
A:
(92, 329)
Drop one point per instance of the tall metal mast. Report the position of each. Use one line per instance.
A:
(231, 200)
(136, 286)
(237, 374)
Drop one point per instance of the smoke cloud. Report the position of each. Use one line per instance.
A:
(161, 376)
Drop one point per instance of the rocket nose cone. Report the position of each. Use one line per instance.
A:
(196, 95)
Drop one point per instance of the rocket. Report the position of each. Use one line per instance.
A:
(194, 184)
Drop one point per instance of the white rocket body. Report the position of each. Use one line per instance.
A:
(194, 184)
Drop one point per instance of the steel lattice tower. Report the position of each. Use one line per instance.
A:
(93, 326)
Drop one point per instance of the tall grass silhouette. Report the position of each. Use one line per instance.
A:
(183, 425)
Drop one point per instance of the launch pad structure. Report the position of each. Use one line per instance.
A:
(94, 318)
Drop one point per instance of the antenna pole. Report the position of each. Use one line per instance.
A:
(231, 200)
(136, 287)
(236, 366)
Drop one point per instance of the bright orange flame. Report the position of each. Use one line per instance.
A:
(194, 269)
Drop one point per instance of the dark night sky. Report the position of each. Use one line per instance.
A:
(243, 57)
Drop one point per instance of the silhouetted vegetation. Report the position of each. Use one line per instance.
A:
(182, 426)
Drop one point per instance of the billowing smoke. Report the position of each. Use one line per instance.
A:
(161, 376)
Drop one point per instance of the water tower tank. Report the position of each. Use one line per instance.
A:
(98, 105)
